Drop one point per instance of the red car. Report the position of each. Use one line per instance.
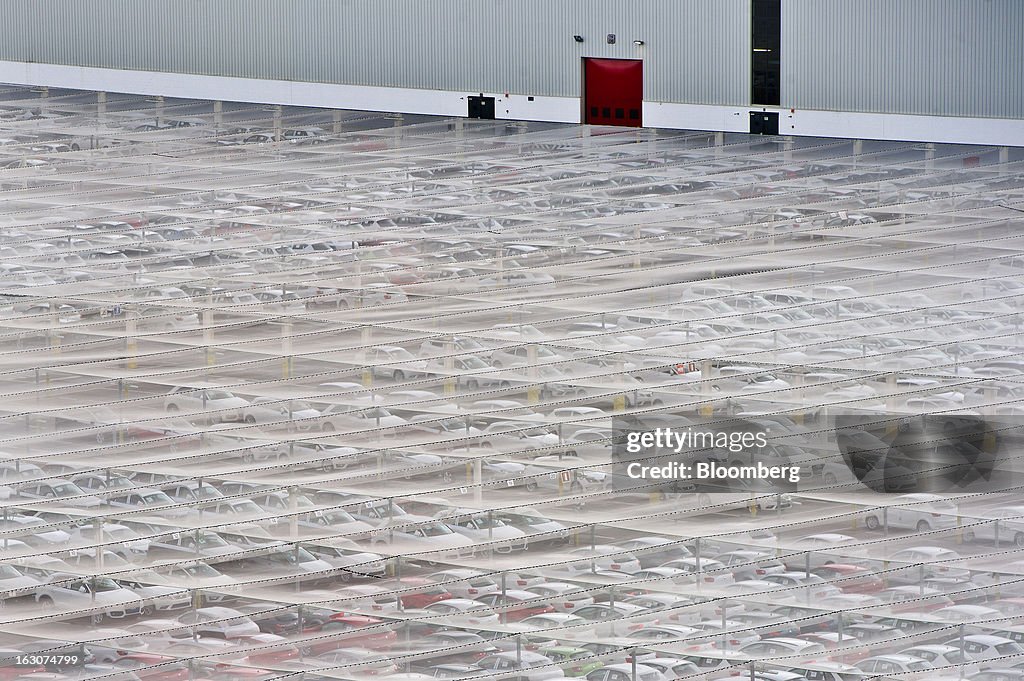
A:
(848, 651)
(233, 673)
(514, 612)
(426, 592)
(914, 599)
(270, 649)
(852, 579)
(351, 631)
(142, 664)
(11, 669)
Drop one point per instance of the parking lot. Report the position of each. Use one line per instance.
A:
(293, 393)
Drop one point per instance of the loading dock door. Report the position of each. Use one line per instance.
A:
(613, 91)
(764, 122)
(481, 107)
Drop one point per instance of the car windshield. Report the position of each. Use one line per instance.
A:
(66, 490)
(382, 511)
(200, 571)
(122, 533)
(218, 395)
(335, 518)
(483, 522)
(378, 412)
(101, 584)
(297, 555)
(8, 572)
(210, 540)
(156, 498)
(207, 492)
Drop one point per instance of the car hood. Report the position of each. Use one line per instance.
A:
(227, 403)
(14, 583)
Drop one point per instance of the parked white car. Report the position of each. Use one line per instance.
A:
(483, 530)
(220, 404)
(921, 512)
(98, 597)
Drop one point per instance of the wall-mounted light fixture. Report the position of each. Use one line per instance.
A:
(611, 38)
(578, 38)
(638, 43)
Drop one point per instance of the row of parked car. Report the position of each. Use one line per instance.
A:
(333, 396)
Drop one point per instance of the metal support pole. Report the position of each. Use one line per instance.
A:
(293, 517)
(208, 333)
(490, 534)
(277, 122)
(478, 482)
(504, 591)
(286, 349)
(99, 547)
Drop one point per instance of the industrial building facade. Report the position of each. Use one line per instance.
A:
(924, 70)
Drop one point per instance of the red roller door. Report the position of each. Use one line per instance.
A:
(613, 91)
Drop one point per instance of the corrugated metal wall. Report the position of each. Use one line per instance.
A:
(948, 57)
(696, 50)
(940, 57)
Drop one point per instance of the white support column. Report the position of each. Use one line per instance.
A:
(207, 323)
(450, 379)
(277, 122)
(336, 122)
(218, 113)
(131, 337)
(286, 349)
(534, 391)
